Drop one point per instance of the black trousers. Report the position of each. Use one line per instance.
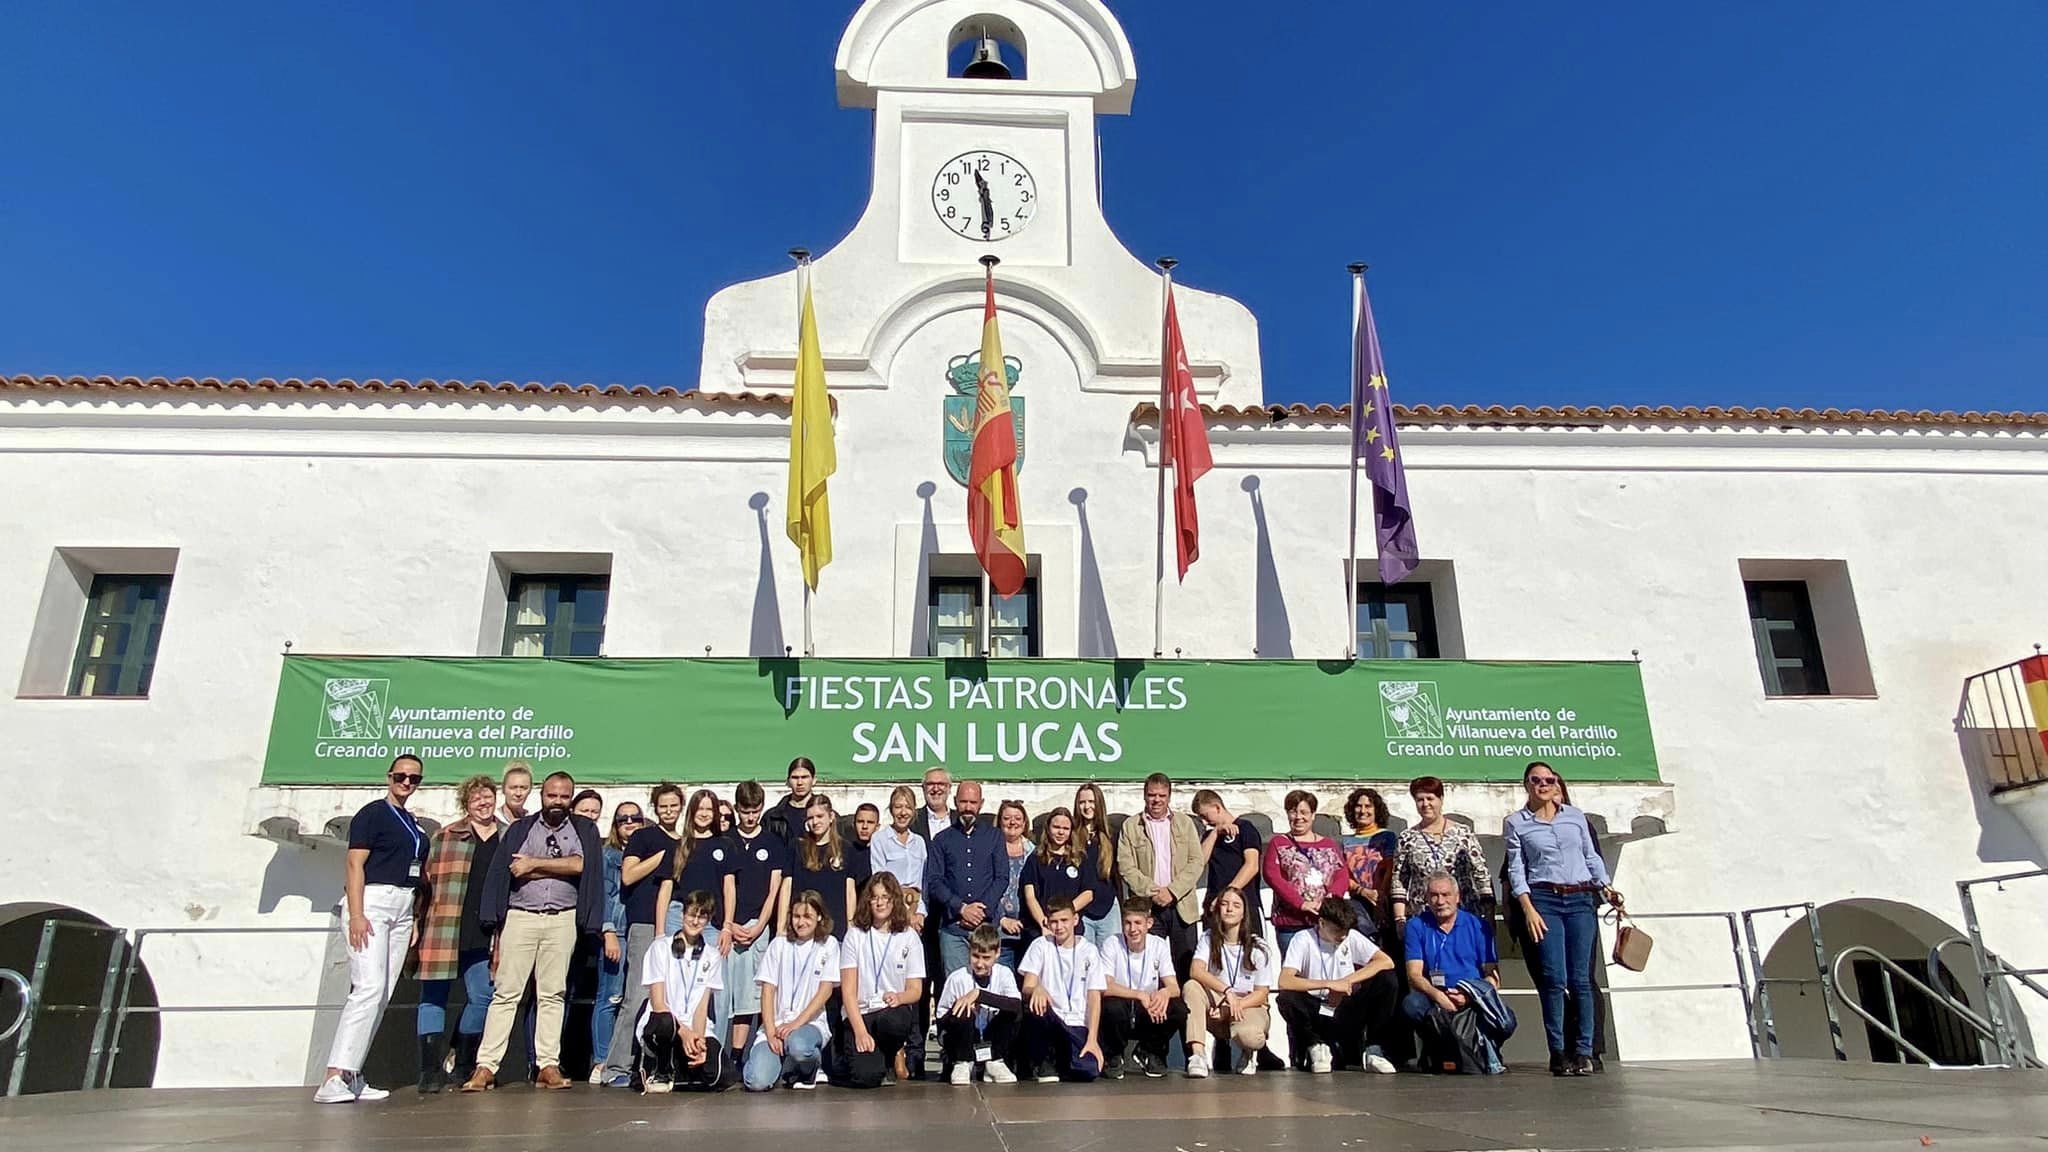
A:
(1056, 1045)
(891, 1029)
(934, 983)
(1366, 1016)
(1179, 936)
(957, 1037)
(1126, 1023)
(662, 1057)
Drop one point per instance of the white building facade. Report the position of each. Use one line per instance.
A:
(1882, 557)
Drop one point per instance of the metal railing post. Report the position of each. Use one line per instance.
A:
(117, 942)
(131, 960)
(1763, 1025)
(1742, 988)
(1827, 981)
(1994, 984)
(35, 997)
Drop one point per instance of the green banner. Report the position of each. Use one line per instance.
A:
(341, 720)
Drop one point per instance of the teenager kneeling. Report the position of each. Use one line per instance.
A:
(978, 1011)
(1063, 986)
(1229, 983)
(881, 981)
(681, 973)
(1141, 1007)
(1337, 994)
(799, 973)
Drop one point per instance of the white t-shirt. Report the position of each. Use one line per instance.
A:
(1314, 958)
(1067, 974)
(1145, 972)
(796, 972)
(886, 961)
(1238, 974)
(1001, 982)
(685, 984)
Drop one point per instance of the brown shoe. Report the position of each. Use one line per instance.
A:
(480, 1080)
(551, 1077)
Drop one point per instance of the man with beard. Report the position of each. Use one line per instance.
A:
(965, 875)
(786, 819)
(538, 897)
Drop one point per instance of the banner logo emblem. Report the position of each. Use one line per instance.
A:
(1410, 710)
(353, 709)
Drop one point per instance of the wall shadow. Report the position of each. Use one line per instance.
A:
(1097, 635)
(1273, 632)
(927, 546)
(764, 636)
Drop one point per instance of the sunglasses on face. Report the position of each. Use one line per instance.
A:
(406, 778)
(628, 818)
(1543, 781)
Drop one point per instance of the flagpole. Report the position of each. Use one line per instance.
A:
(1351, 548)
(1166, 266)
(802, 256)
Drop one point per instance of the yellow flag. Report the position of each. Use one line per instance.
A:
(812, 456)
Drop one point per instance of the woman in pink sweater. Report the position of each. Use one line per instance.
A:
(1304, 869)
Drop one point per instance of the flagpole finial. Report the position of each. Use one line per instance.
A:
(1358, 267)
(991, 260)
(1167, 264)
(800, 255)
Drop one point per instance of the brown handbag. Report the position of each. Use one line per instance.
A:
(1631, 944)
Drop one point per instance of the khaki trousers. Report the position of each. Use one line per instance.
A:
(1248, 1029)
(537, 945)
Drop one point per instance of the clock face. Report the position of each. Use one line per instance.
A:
(984, 196)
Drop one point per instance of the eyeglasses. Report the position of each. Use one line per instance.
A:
(938, 786)
(406, 778)
(1543, 781)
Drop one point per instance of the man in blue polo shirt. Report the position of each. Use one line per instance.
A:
(1453, 969)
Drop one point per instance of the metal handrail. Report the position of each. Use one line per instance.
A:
(1888, 968)
(1764, 1027)
(1993, 971)
(28, 1002)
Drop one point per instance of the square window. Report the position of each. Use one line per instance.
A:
(1805, 629)
(1396, 622)
(556, 615)
(953, 611)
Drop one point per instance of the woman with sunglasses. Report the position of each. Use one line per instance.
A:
(611, 967)
(1555, 874)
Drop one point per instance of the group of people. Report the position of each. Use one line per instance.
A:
(795, 945)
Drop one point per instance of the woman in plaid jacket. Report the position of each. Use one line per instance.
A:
(453, 945)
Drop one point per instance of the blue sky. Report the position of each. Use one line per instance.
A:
(1825, 203)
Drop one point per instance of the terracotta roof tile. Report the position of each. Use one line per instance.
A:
(1570, 416)
(477, 388)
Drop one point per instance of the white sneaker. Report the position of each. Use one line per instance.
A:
(1198, 1065)
(335, 1090)
(1318, 1058)
(1047, 1078)
(596, 1073)
(963, 1075)
(1249, 1066)
(998, 1072)
(655, 1087)
(1374, 1062)
(803, 1085)
(821, 1079)
(365, 1092)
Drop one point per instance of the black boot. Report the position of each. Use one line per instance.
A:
(433, 1075)
(465, 1056)
(1559, 1065)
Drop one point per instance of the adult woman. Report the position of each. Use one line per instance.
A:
(588, 804)
(1369, 850)
(649, 857)
(453, 945)
(1554, 874)
(725, 817)
(611, 967)
(1012, 820)
(1303, 868)
(1597, 958)
(821, 866)
(1229, 984)
(1435, 843)
(1098, 863)
(1056, 869)
(900, 851)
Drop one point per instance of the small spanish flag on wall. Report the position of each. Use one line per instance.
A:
(2034, 670)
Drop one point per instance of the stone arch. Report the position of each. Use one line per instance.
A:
(1903, 933)
(61, 1042)
(964, 292)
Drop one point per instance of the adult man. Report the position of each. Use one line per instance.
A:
(786, 819)
(1230, 848)
(649, 858)
(1163, 852)
(936, 816)
(965, 875)
(1452, 969)
(538, 897)
(517, 786)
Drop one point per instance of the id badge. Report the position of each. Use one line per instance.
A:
(1436, 977)
(414, 871)
(1328, 1009)
(983, 1053)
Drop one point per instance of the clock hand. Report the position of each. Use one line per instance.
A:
(987, 209)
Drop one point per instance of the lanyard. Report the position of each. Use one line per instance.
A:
(799, 962)
(411, 829)
(1231, 971)
(691, 975)
(879, 957)
(1129, 975)
(1070, 972)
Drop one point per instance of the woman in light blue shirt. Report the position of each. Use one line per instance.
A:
(1555, 873)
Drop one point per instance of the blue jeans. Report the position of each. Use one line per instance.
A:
(604, 1015)
(952, 953)
(475, 967)
(799, 1060)
(1565, 962)
(1098, 932)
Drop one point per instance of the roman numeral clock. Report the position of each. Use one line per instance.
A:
(984, 196)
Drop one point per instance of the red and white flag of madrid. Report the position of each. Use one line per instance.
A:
(1183, 441)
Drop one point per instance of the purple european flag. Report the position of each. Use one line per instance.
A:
(1374, 441)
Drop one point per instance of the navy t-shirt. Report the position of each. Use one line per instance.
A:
(395, 840)
(826, 881)
(749, 862)
(1050, 880)
(1228, 859)
(639, 898)
(703, 871)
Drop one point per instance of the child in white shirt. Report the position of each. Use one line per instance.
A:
(881, 981)
(978, 1012)
(1141, 1005)
(799, 973)
(1338, 994)
(1227, 988)
(1063, 986)
(675, 1037)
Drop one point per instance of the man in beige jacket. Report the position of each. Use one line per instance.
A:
(1159, 858)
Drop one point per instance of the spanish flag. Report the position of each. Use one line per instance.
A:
(994, 519)
(812, 456)
(2034, 672)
